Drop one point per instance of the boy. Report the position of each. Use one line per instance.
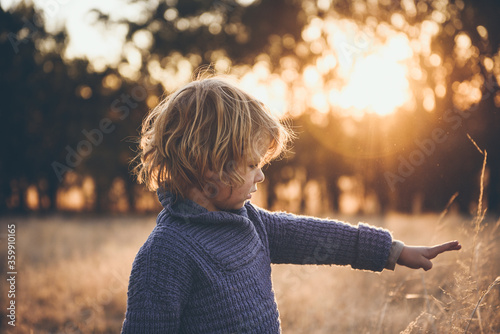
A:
(206, 267)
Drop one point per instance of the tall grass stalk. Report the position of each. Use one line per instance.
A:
(495, 282)
(447, 208)
(480, 213)
(478, 219)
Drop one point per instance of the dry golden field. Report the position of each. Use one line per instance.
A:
(73, 274)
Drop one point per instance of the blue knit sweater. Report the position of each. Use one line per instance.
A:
(210, 272)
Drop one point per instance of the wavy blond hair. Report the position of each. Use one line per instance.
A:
(207, 125)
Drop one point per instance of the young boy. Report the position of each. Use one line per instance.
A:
(206, 267)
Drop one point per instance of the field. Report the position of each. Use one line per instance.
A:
(73, 275)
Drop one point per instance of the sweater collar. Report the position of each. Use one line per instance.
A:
(191, 211)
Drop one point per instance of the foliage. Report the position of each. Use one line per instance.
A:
(415, 155)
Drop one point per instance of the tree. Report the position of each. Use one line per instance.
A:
(59, 116)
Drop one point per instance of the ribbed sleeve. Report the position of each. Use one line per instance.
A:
(373, 248)
(306, 240)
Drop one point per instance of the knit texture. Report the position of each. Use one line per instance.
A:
(210, 272)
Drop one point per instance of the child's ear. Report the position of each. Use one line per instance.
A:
(209, 174)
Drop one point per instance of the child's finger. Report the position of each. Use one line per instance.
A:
(447, 246)
(453, 245)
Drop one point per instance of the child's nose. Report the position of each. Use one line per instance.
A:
(260, 176)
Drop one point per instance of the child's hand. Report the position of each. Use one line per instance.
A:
(419, 257)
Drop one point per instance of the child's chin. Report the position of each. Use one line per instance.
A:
(240, 205)
(235, 206)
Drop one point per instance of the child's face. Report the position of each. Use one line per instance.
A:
(227, 197)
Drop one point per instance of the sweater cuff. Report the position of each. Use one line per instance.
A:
(395, 252)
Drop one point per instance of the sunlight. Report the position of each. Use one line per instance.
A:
(377, 85)
(370, 67)
(268, 88)
(244, 2)
(89, 38)
(311, 76)
(376, 82)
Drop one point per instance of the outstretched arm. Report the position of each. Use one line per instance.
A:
(417, 257)
(307, 240)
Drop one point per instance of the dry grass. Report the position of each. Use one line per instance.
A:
(341, 300)
(73, 272)
(73, 275)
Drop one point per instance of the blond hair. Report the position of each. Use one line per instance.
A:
(207, 125)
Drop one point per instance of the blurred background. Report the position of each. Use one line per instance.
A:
(396, 106)
(381, 93)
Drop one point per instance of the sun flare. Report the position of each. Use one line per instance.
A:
(376, 85)
(357, 71)
(375, 75)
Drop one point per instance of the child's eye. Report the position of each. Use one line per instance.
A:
(254, 165)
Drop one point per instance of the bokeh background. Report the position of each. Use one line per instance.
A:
(396, 106)
(381, 93)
